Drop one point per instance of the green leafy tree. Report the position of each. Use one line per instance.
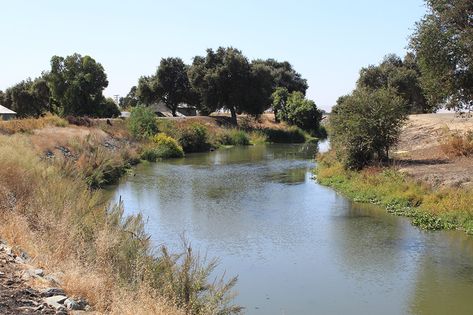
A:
(443, 44)
(29, 98)
(108, 108)
(365, 125)
(76, 84)
(259, 90)
(130, 100)
(146, 90)
(172, 85)
(285, 76)
(301, 112)
(278, 101)
(142, 122)
(401, 76)
(223, 79)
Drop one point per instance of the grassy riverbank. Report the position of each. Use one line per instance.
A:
(428, 208)
(52, 208)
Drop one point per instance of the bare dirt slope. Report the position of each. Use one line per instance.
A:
(420, 154)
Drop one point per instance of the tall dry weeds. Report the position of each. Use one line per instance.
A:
(99, 253)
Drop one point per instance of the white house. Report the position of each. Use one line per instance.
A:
(6, 114)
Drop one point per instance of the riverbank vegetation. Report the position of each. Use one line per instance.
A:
(96, 252)
(202, 135)
(428, 208)
(366, 125)
(101, 250)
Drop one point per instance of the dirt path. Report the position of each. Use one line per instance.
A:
(419, 152)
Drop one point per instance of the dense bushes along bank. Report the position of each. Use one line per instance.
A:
(164, 138)
(448, 208)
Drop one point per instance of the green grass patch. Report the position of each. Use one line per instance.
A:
(232, 137)
(428, 208)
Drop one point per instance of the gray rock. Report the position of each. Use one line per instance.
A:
(24, 256)
(52, 292)
(32, 273)
(19, 260)
(56, 301)
(8, 251)
(61, 311)
(70, 304)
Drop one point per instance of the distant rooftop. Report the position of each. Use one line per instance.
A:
(4, 110)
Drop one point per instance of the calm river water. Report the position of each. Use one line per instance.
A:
(298, 247)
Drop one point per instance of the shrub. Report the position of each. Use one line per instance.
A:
(258, 137)
(365, 125)
(108, 109)
(194, 138)
(163, 147)
(79, 121)
(321, 133)
(456, 144)
(301, 112)
(290, 135)
(142, 122)
(233, 137)
(96, 164)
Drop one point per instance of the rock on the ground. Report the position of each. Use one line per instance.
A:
(70, 304)
(48, 292)
(56, 301)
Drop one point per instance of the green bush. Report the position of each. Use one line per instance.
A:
(365, 125)
(167, 147)
(142, 122)
(289, 135)
(301, 112)
(107, 109)
(321, 133)
(163, 147)
(233, 137)
(194, 138)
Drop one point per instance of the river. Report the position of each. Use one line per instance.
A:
(298, 247)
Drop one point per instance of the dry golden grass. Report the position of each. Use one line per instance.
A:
(30, 124)
(456, 144)
(100, 254)
(62, 225)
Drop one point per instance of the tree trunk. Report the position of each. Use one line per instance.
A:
(276, 119)
(174, 110)
(234, 116)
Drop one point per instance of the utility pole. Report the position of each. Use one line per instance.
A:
(116, 98)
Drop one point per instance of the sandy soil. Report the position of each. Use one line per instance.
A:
(419, 153)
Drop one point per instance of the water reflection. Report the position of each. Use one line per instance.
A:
(444, 280)
(298, 248)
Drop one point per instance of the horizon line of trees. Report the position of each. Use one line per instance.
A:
(225, 79)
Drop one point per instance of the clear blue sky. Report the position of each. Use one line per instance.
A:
(326, 41)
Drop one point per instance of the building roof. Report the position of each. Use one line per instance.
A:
(4, 110)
